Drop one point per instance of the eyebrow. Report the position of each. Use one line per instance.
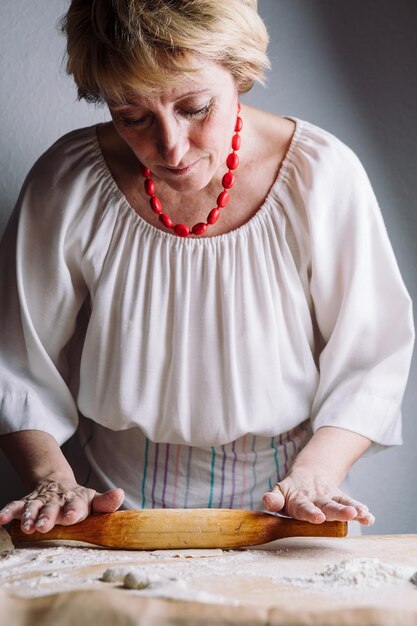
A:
(128, 105)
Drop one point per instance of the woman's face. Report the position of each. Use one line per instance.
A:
(183, 133)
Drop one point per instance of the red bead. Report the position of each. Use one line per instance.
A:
(149, 186)
(232, 161)
(199, 229)
(213, 216)
(223, 199)
(146, 172)
(156, 205)
(236, 142)
(181, 230)
(228, 180)
(166, 220)
(239, 124)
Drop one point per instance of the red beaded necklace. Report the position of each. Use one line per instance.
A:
(228, 180)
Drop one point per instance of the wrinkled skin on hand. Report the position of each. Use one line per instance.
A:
(314, 499)
(53, 502)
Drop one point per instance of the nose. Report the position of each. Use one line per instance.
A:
(173, 142)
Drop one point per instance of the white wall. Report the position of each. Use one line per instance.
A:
(347, 66)
(38, 101)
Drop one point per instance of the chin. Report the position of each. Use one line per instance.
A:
(188, 182)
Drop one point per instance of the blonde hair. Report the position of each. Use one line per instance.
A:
(116, 47)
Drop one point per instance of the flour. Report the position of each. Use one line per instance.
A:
(34, 571)
(195, 553)
(354, 574)
(155, 581)
(188, 594)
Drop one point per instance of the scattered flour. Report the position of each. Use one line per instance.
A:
(355, 573)
(36, 572)
(196, 553)
(162, 586)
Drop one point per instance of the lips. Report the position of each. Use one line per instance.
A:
(180, 171)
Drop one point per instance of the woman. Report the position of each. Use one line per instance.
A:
(203, 290)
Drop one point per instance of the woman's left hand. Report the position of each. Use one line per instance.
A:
(312, 498)
(310, 490)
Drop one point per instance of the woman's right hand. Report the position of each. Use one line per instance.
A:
(55, 496)
(54, 502)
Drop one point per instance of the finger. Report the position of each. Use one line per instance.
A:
(6, 515)
(75, 510)
(108, 502)
(30, 514)
(274, 500)
(362, 509)
(334, 511)
(303, 509)
(48, 516)
(367, 520)
(12, 510)
(70, 509)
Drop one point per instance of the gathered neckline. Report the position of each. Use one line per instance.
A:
(235, 232)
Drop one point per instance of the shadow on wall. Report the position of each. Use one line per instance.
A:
(375, 46)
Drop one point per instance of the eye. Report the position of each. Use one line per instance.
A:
(191, 109)
(199, 112)
(131, 121)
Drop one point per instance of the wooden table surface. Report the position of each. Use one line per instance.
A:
(56, 584)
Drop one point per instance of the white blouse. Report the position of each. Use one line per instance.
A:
(299, 314)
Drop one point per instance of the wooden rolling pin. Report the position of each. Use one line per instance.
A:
(160, 529)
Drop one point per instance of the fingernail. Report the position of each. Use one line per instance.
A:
(41, 522)
(5, 511)
(26, 515)
(26, 526)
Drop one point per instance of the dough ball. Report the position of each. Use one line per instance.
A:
(140, 579)
(115, 574)
(6, 544)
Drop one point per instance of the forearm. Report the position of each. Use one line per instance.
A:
(331, 452)
(36, 456)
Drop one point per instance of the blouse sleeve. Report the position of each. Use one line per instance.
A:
(41, 293)
(362, 310)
